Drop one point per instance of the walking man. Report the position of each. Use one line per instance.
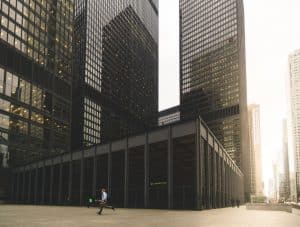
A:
(103, 201)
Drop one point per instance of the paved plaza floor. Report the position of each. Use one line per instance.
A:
(58, 216)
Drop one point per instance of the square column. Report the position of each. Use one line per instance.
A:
(70, 179)
(94, 172)
(18, 187)
(126, 172)
(51, 184)
(219, 181)
(109, 166)
(60, 182)
(146, 172)
(23, 188)
(29, 187)
(208, 177)
(81, 178)
(35, 185)
(43, 183)
(198, 168)
(214, 178)
(170, 169)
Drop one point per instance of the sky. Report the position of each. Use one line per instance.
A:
(272, 33)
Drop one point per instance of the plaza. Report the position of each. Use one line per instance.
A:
(33, 216)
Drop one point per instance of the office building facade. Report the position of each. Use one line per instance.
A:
(35, 82)
(294, 82)
(256, 181)
(212, 73)
(114, 105)
(35, 79)
(116, 70)
(180, 165)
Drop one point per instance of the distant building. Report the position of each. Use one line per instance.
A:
(275, 186)
(294, 81)
(169, 116)
(284, 177)
(213, 75)
(255, 150)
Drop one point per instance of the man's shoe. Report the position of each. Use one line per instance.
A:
(113, 209)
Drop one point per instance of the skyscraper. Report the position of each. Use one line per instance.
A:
(116, 69)
(255, 150)
(35, 81)
(294, 80)
(284, 179)
(212, 72)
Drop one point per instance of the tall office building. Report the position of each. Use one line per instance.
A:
(284, 181)
(35, 79)
(294, 80)
(35, 82)
(212, 72)
(255, 150)
(116, 69)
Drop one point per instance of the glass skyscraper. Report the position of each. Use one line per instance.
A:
(294, 80)
(255, 170)
(212, 72)
(116, 69)
(35, 79)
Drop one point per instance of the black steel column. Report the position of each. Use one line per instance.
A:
(226, 184)
(219, 181)
(18, 188)
(23, 187)
(43, 183)
(170, 168)
(146, 172)
(202, 171)
(231, 184)
(224, 202)
(60, 181)
(94, 172)
(234, 185)
(51, 184)
(12, 192)
(17, 185)
(198, 192)
(109, 166)
(69, 199)
(35, 185)
(29, 187)
(208, 174)
(126, 172)
(214, 175)
(81, 178)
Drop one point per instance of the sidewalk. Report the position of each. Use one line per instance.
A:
(59, 216)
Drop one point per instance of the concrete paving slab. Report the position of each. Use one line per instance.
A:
(59, 216)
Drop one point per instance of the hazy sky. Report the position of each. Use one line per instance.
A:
(272, 32)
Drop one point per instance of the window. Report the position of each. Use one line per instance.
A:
(4, 121)
(1, 80)
(4, 21)
(11, 85)
(5, 8)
